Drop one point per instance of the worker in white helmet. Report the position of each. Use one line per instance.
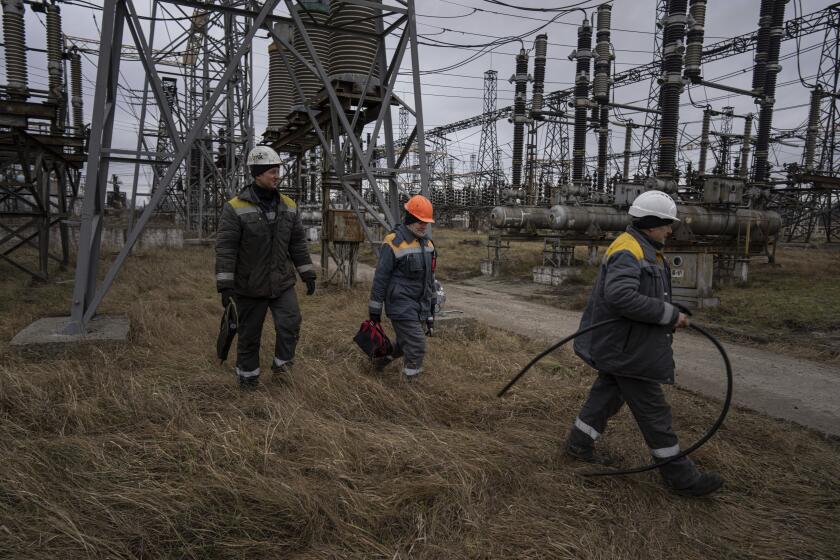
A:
(633, 357)
(260, 243)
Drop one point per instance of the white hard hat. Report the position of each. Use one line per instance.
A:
(263, 155)
(654, 203)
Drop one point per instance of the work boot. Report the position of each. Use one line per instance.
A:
(284, 368)
(587, 454)
(411, 375)
(248, 383)
(380, 363)
(705, 484)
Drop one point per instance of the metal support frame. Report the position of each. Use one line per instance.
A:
(489, 168)
(32, 209)
(331, 118)
(87, 294)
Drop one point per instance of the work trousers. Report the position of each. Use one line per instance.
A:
(411, 342)
(286, 314)
(651, 412)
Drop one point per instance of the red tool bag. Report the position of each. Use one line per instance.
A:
(373, 341)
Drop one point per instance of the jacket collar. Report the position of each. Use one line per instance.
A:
(248, 194)
(648, 249)
(405, 234)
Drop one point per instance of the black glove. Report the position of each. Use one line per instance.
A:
(375, 317)
(430, 326)
(227, 295)
(310, 286)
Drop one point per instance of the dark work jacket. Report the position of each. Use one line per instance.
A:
(259, 246)
(405, 277)
(634, 284)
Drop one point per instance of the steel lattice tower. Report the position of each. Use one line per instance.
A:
(820, 207)
(489, 164)
(554, 168)
(650, 131)
(828, 76)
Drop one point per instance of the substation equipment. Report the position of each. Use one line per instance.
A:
(729, 214)
(42, 145)
(330, 79)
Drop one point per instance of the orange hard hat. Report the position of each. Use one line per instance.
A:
(420, 207)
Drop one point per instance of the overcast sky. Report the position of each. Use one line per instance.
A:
(457, 94)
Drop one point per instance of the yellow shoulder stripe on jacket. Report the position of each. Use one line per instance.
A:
(625, 242)
(237, 202)
(389, 238)
(404, 245)
(288, 201)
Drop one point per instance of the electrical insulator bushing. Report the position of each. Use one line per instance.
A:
(813, 129)
(671, 86)
(762, 44)
(76, 91)
(628, 139)
(601, 82)
(311, 13)
(275, 62)
(54, 54)
(745, 146)
(694, 38)
(704, 142)
(354, 42)
(540, 50)
(583, 55)
(519, 118)
(603, 131)
(765, 116)
(280, 89)
(14, 37)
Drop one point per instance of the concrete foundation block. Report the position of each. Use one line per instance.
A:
(454, 322)
(552, 275)
(52, 331)
(490, 267)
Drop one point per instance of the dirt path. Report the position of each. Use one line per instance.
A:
(802, 391)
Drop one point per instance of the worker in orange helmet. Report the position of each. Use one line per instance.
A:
(404, 284)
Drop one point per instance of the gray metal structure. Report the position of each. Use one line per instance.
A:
(331, 118)
(488, 165)
(40, 152)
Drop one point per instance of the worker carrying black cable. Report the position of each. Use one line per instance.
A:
(633, 355)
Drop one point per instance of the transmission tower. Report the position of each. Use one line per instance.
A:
(489, 163)
(174, 199)
(554, 168)
(213, 38)
(650, 131)
(436, 156)
(408, 181)
(827, 82)
(819, 206)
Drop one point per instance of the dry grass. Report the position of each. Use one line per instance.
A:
(794, 303)
(147, 449)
